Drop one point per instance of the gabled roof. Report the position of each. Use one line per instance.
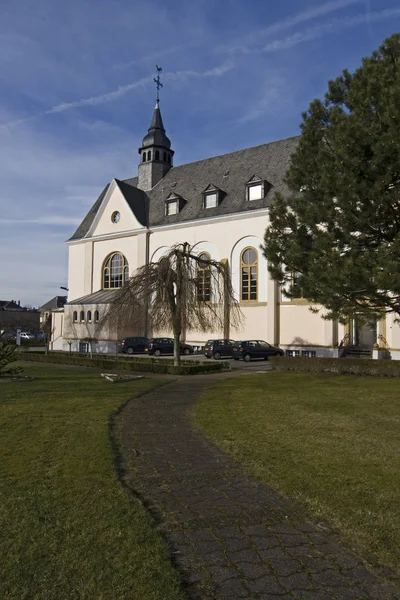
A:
(9, 305)
(137, 199)
(228, 172)
(88, 220)
(56, 302)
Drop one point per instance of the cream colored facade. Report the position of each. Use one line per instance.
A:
(114, 226)
(290, 324)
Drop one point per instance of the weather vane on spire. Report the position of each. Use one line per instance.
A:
(158, 83)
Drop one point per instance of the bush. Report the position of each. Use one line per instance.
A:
(143, 365)
(344, 366)
(8, 355)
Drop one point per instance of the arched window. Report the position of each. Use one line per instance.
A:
(75, 317)
(82, 316)
(89, 316)
(249, 274)
(144, 157)
(157, 155)
(169, 159)
(204, 278)
(96, 316)
(165, 157)
(115, 271)
(149, 155)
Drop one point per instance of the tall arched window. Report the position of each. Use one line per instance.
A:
(249, 274)
(165, 157)
(204, 278)
(82, 316)
(89, 316)
(115, 271)
(157, 155)
(144, 157)
(75, 316)
(149, 155)
(96, 316)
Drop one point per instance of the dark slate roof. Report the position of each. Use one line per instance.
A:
(9, 305)
(156, 135)
(56, 302)
(88, 220)
(227, 172)
(101, 297)
(137, 199)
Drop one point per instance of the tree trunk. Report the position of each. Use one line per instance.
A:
(177, 350)
(227, 307)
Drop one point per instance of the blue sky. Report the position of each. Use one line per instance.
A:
(77, 97)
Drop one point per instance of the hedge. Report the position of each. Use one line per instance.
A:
(339, 366)
(143, 365)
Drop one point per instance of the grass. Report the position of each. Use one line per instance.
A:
(68, 527)
(330, 442)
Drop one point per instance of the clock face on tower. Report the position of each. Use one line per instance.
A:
(115, 217)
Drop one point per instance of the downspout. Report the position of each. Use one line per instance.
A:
(146, 308)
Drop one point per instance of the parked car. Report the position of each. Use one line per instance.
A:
(218, 348)
(25, 335)
(250, 349)
(134, 345)
(158, 346)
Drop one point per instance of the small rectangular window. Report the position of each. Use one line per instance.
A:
(210, 200)
(171, 208)
(255, 192)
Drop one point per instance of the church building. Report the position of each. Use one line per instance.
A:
(220, 206)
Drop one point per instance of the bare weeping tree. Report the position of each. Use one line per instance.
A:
(182, 291)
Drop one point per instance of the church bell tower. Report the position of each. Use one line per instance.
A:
(155, 152)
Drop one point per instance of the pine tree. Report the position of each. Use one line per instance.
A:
(339, 228)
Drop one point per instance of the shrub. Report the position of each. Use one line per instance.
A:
(345, 366)
(144, 365)
(8, 355)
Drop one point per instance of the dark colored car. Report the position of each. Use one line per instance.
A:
(134, 345)
(158, 346)
(255, 349)
(218, 348)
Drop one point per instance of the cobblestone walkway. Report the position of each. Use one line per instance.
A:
(230, 537)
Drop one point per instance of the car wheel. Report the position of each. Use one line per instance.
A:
(247, 357)
(129, 350)
(186, 351)
(217, 355)
(157, 352)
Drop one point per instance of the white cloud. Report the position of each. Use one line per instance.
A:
(119, 92)
(313, 33)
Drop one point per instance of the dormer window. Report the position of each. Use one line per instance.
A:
(255, 189)
(211, 197)
(210, 200)
(171, 207)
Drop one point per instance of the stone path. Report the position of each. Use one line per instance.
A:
(230, 536)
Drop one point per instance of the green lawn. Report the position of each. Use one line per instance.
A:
(69, 530)
(331, 442)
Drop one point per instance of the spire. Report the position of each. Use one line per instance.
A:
(155, 152)
(156, 135)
